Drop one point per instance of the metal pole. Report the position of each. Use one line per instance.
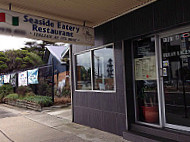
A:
(71, 79)
(52, 80)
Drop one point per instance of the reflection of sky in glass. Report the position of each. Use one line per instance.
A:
(84, 60)
(101, 57)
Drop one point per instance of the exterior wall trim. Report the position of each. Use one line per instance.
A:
(124, 82)
(174, 31)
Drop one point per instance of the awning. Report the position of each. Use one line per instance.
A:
(59, 52)
(90, 12)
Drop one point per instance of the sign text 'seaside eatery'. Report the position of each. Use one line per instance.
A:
(17, 24)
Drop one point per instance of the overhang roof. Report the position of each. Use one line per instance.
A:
(58, 52)
(93, 12)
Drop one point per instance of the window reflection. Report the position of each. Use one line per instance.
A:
(176, 72)
(103, 69)
(83, 71)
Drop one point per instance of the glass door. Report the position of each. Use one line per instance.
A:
(145, 82)
(175, 54)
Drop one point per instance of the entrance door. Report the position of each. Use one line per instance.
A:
(175, 54)
(147, 102)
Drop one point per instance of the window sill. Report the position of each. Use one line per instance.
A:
(96, 91)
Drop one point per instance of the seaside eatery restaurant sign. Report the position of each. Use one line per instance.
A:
(23, 25)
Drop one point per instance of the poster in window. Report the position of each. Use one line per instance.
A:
(145, 68)
(165, 72)
(165, 63)
(33, 76)
(22, 79)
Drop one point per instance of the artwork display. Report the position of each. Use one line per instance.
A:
(33, 76)
(7, 78)
(13, 79)
(22, 79)
(1, 80)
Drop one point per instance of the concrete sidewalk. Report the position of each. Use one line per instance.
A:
(53, 125)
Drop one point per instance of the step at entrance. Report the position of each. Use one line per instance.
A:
(146, 134)
(143, 137)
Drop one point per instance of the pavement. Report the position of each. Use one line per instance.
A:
(51, 125)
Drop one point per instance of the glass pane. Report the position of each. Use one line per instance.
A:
(146, 81)
(176, 72)
(103, 69)
(83, 71)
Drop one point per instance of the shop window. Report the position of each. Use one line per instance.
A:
(102, 73)
(83, 71)
(176, 78)
(103, 66)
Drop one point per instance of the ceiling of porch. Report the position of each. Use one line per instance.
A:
(93, 12)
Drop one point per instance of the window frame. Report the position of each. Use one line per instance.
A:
(92, 70)
(75, 73)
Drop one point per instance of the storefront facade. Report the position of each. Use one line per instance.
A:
(135, 81)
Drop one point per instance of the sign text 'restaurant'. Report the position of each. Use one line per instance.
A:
(46, 29)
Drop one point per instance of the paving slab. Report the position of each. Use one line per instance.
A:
(68, 138)
(89, 134)
(63, 113)
(21, 129)
(47, 119)
(3, 138)
(6, 113)
(48, 126)
(17, 110)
